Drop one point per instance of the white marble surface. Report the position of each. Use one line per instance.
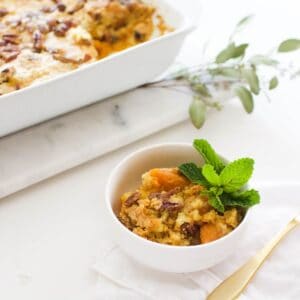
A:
(50, 233)
(42, 151)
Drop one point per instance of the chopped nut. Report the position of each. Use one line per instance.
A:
(43, 28)
(48, 9)
(60, 6)
(87, 57)
(170, 206)
(138, 36)
(96, 16)
(52, 23)
(164, 195)
(62, 28)
(6, 74)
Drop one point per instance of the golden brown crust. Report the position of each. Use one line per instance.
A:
(64, 34)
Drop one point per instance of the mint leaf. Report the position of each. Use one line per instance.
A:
(193, 173)
(209, 155)
(236, 174)
(244, 199)
(216, 203)
(211, 175)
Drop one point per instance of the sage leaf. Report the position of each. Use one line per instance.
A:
(252, 79)
(273, 83)
(289, 45)
(244, 21)
(246, 98)
(201, 89)
(262, 60)
(231, 51)
(197, 112)
(226, 72)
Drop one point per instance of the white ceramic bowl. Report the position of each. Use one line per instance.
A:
(126, 176)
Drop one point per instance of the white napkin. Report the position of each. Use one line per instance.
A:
(279, 277)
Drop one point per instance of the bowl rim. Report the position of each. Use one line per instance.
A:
(140, 239)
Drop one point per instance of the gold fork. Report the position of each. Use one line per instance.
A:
(233, 286)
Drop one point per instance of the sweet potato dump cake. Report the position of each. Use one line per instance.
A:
(167, 208)
(39, 39)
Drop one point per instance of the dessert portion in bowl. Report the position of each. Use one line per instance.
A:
(187, 204)
(40, 39)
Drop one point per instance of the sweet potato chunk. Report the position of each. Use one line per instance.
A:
(168, 178)
(209, 233)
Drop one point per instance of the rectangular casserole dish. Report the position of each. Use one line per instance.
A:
(114, 74)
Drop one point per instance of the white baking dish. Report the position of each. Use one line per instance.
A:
(90, 83)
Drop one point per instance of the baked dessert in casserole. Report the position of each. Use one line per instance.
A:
(40, 39)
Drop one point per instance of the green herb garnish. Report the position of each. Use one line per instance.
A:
(224, 183)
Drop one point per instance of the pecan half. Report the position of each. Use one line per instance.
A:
(37, 41)
(61, 28)
(60, 6)
(170, 206)
(132, 199)
(6, 74)
(60, 55)
(48, 9)
(9, 52)
(52, 23)
(3, 12)
(10, 38)
(78, 6)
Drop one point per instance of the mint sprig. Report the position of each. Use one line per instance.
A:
(224, 183)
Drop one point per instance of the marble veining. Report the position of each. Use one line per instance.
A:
(47, 149)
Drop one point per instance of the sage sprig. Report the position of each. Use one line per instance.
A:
(233, 71)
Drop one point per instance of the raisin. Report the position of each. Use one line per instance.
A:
(132, 199)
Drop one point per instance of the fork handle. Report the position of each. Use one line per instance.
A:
(233, 286)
